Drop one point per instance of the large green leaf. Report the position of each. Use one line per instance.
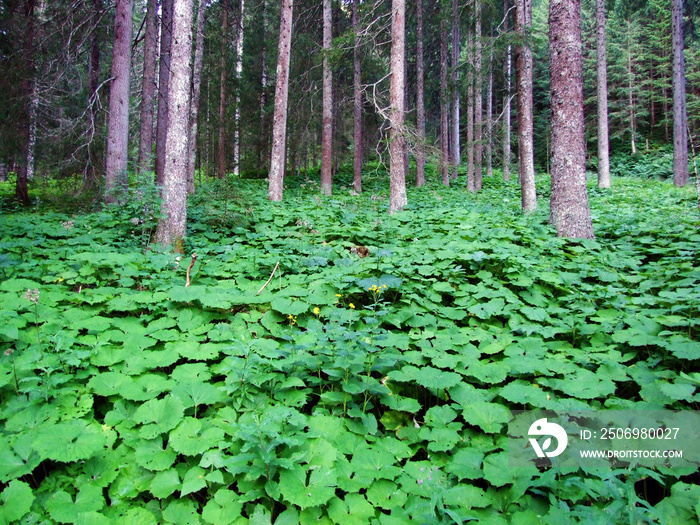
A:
(159, 415)
(17, 499)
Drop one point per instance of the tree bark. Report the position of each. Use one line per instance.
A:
(456, 147)
(489, 116)
(173, 224)
(118, 127)
(239, 71)
(471, 187)
(397, 139)
(478, 99)
(279, 124)
(196, 93)
(444, 108)
(420, 99)
(26, 125)
(630, 88)
(507, 112)
(263, 140)
(166, 28)
(523, 79)
(90, 178)
(680, 117)
(602, 70)
(221, 170)
(357, 105)
(327, 130)
(148, 87)
(506, 99)
(569, 210)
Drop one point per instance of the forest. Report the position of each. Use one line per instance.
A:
(332, 261)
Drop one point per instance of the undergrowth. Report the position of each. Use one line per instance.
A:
(369, 381)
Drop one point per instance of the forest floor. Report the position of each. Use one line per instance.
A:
(371, 379)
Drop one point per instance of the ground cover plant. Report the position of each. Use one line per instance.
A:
(369, 380)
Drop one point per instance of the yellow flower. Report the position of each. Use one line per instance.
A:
(317, 310)
(352, 306)
(60, 279)
(338, 295)
(292, 319)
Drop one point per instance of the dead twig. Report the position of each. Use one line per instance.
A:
(189, 269)
(271, 276)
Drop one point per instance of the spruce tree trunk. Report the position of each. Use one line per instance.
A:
(397, 138)
(680, 117)
(166, 23)
(279, 123)
(507, 113)
(357, 105)
(444, 107)
(630, 89)
(27, 124)
(523, 80)
(223, 91)
(507, 74)
(489, 117)
(327, 130)
(456, 148)
(173, 223)
(148, 87)
(569, 210)
(196, 93)
(478, 99)
(602, 73)
(263, 140)
(470, 111)
(239, 71)
(118, 123)
(420, 100)
(90, 181)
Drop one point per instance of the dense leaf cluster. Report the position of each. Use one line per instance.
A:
(370, 381)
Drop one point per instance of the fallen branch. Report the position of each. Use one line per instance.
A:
(268, 281)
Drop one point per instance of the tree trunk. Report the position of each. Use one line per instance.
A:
(602, 68)
(27, 124)
(489, 116)
(327, 131)
(456, 148)
(444, 107)
(357, 106)
(420, 100)
(569, 210)
(166, 23)
(506, 99)
(478, 99)
(221, 170)
(630, 88)
(523, 80)
(239, 71)
(279, 123)
(173, 222)
(196, 94)
(680, 117)
(262, 143)
(507, 112)
(397, 139)
(90, 178)
(470, 111)
(148, 87)
(118, 127)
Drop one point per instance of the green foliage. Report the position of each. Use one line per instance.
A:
(349, 388)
